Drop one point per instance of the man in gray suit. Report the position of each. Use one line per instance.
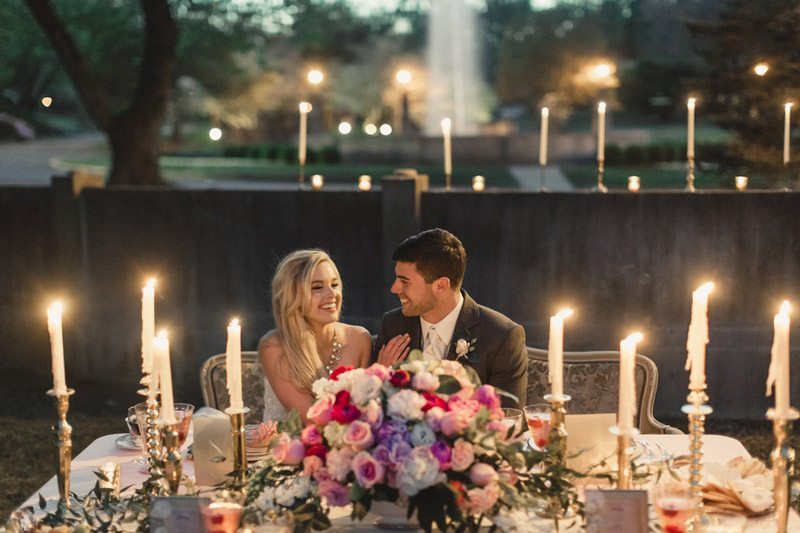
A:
(440, 318)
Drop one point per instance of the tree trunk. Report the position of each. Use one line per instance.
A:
(135, 151)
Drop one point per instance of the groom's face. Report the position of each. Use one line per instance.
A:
(416, 295)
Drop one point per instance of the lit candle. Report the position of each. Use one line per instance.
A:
(233, 364)
(698, 337)
(779, 366)
(305, 109)
(317, 181)
(448, 156)
(634, 183)
(543, 137)
(478, 183)
(601, 131)
(787, 108)
(148, 325)
(57, 348)
(364, 183)
(627, 381)
(161, 363)
(741, 183)
(690, 123)
(555, 352)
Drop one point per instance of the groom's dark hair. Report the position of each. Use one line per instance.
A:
(435, 253)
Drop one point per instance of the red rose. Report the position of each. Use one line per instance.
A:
(339, 370)
(400, 378)
(344, 414)
(317, 449)
(342, 398)
(433, 400)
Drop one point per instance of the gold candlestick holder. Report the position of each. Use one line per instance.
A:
(600, 187)
(63, 441)
(624, 456)
(239, 448)
(690, 175)
(448, 181)
(697, 410)
(173, 467)
(152, 434)
(782, 457)
(558, 427)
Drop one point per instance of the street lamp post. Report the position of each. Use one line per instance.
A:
(315, 77)
(403, 77)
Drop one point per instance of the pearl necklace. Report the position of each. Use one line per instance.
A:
(335, 356)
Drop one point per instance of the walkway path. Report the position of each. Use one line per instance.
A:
(33, 162)
(530, 179)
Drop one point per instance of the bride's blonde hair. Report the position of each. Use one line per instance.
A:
(291, 301)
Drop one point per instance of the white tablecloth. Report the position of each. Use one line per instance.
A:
(716, 448)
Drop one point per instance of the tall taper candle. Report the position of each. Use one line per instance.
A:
(57, 348)
(601, 131)
(787, 111)
(148, 325)
(690, 125)
(627, 381)
(448, 155)
(305, 109)
(233, 363)
(543, 137)
(779, 366)
(698, 337)
(161, 362)
(555, 352)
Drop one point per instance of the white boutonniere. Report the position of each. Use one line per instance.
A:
(465, 348)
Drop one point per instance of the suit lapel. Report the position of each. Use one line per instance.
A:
(467, 318)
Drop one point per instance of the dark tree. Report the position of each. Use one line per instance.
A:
(133, 129)
(735, 97)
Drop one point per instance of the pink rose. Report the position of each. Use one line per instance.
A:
(288, 451)
(486, 395)
(367, 469)
(482, 474)
(311, 465)
(482, 500)
(372, 413)
(320, 411)
(462, 456)
(455, 422)
(339, 463)
(335, 493)
(310, 436)
(358, 435)
(378, 370)
(508, 476)
(425, 381)
(433, 417)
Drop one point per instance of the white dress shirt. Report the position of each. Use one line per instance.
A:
(437, 342)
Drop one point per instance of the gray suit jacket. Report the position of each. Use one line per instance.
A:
(500, 357)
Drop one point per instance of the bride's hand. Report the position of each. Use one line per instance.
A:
(395, 350)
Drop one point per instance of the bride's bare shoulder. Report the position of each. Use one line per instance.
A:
(270, 347)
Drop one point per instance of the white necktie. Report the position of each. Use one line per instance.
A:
(435, 343)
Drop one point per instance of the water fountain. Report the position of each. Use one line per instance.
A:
(454, 79)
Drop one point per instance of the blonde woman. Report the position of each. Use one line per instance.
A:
(309, 342)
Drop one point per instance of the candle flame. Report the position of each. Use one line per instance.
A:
(635, 337)
(55, 308)
(151, 283)
(545, 112)
(705, 288)
(564, 313)
(691, 102)
(601, 107)
(234, 322)
(788, 106)
(446, 125)
(162, 334)
(305, 107)
(785, 308)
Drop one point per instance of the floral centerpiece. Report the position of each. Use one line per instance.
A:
(425, 435)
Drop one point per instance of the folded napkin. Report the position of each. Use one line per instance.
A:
(213, 446)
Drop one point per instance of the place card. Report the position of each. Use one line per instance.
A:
(176, 514)
(617, 511)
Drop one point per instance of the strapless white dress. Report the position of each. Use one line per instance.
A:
(273, 408)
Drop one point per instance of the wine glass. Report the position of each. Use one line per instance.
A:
(183, 414)
(134, 432)
(674, 505)
(221, 517)
(538, 417)
(512, 418)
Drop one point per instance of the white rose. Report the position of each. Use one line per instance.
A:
(333, 433)
(338, 462)
(406, 405)
(422, 435)
(266, 500)
(320, 387)
(462, 347)
(365, 389)
(425, 381)
(284, 496)
(419, 471)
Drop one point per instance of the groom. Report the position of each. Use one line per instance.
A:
(436, 316)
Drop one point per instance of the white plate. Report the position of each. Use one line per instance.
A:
(124, 442)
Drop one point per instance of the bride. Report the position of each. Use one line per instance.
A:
(309, 342)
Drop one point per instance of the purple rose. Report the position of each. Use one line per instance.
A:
(368, 471)
(391, 431)
(441, 450)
